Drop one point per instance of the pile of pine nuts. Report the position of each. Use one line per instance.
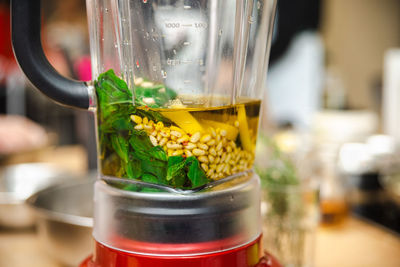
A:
(219, 156)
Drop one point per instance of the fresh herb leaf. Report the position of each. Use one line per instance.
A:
(149, 178)
(129, 153)
(195, 173)
(158, 92)
(176, 165)
(120, 146)
(158, 152)
(133, 169)
(140, 141)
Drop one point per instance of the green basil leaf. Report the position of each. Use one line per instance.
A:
(158, 152)
(122, 124)
(120, 146)
(196, 174)
(133, 169)
(158, 170)
(149, 178)
(176, 165)
(140, 141)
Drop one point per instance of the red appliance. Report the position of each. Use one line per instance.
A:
(217, 228)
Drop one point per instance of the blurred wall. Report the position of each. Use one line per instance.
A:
(356, 34)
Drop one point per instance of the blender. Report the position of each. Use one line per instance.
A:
(176, 89)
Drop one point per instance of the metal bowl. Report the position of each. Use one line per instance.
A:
(64, 220)
(17, 183)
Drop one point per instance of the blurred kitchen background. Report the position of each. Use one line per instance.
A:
(331, 109)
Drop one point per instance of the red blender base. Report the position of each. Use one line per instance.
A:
(245, 256)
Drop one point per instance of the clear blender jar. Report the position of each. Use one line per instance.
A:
(176, 88)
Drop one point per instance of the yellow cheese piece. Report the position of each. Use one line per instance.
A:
(244, 129)
(184, 120)
(231, 131)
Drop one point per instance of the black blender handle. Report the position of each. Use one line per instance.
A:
(26, 40)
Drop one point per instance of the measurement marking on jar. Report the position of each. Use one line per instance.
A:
(200, 25)
(186, 61)
(186, 43)
(187, 7)
(187, 25)
(173, 62)
(173, 25)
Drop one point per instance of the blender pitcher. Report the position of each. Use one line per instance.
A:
(177, 87)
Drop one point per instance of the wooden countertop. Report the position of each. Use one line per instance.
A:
(354, 244)
(357, 244)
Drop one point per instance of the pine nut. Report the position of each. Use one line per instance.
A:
(205, 138)
(233, 144)
(154, 133)
(213, 132)
(148, 127)
(164, 133)
(220, 167)
(172, 145)
(212, 152)
(190, 146)
(223, 157)
(177, 152)
(203, 159)
(210, 172)
(228, 158)
(229, 149)
(138, 81)
(184, 138)
(138, 127)
(236, 124)
(219, 146)
(204, 166)
(195, 137)
(223, 133)
(198, 152)
(176, 134)
(226, 168)
(145, 120)
(174, 128)
(136, 119)
(159, 125)
(163, 141)
(159, 137)
(211, 158)
(202, 146)
(211, 142)
(153, 140)
(146, 84)
(188, 153)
